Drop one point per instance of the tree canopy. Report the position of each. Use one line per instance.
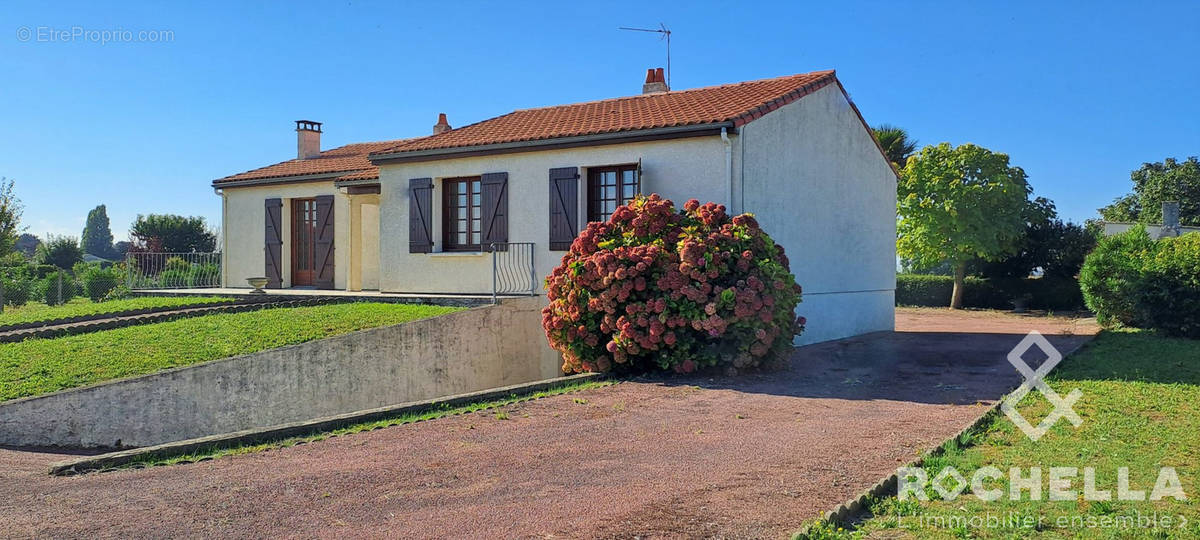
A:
(176, 234)
(1155, 183)
(60, 251)
(896, 143)
(10, 216)
(960, 203)
(97, 236)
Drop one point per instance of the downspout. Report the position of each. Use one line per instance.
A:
(728, 165)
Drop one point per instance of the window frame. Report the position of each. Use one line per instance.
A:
(450, 207)
(593, 186)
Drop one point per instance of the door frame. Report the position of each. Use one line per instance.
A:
(304, 277)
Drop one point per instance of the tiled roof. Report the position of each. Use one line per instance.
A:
(350, 159)
(739, 103)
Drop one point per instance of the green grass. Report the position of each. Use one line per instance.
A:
(1140, 409)
(400, 419)
(38, 366)
(37, 312)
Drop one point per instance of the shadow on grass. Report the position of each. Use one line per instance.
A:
(1133, 355)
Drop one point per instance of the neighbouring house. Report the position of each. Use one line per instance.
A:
(1169, 227)
(422, 215)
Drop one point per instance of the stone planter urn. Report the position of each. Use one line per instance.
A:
(258, 283)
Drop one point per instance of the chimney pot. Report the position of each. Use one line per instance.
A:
(442, 125)
(654, 82)
(308, 139)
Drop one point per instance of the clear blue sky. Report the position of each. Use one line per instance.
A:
(1077, 93)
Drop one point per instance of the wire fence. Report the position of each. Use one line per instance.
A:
(58, 287)
(512, 269)
(173, 270)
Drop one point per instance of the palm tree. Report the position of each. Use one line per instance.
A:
(895, 142)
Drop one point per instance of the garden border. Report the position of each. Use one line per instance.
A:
(307, 427)
(111, 321)
(110, 314)
(848, 511)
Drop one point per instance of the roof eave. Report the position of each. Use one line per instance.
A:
(616, 137)
(282, 179)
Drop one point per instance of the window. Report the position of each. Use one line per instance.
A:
(461, 214)
(610, 187)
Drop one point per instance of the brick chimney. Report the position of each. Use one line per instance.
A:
(308, 139)
(442, 126)
(1170, 218)
(655, 82)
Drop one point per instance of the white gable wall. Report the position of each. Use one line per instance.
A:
(817, 183)
(677, 169)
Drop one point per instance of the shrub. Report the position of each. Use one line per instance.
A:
(1110, 274)
(1168, 293)
(98, 281)
(658, 288)
(1044, 293)
(47, 289)
(203, 275)
(17, 291)
(60, 251)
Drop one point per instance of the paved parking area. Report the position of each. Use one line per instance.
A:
(750, 456)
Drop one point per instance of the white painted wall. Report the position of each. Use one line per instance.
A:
(817, 183)
(245, 232)
(677, 169)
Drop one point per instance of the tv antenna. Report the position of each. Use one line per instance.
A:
(666, 34)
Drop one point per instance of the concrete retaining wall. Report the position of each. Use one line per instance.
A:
(462, 352)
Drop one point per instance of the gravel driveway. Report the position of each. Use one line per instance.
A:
(751, 456)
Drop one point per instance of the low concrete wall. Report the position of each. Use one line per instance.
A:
(462, 352)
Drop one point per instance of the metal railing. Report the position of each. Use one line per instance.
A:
(512, 269)
(173, 270)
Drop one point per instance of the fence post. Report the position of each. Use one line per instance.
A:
(1, 295)
(532, 273)
(493, 247)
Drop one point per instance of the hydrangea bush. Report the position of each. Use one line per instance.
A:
(656, 288)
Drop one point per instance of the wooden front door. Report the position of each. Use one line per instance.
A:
(304, 242)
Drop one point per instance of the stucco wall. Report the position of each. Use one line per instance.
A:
(813, 176)
(677, 169)
(245, 230)
(461, 352)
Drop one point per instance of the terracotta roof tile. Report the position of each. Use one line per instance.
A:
(739, 103)
(351, 159)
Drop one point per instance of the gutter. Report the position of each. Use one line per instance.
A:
(224, 235)
(217, 184)
(618, 137)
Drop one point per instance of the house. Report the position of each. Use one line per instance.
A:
(423, 215)
(1168, 228)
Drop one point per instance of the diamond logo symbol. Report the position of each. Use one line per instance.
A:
(1034, 379)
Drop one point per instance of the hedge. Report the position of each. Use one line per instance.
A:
(935, 291)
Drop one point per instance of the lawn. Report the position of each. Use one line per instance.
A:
(36, 312)
(39, 366)
(1140, 408)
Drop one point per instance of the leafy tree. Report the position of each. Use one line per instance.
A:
(1155, 183)
(60, 251)
(10, 216)
(960, 203)
(120, 249)
(97, 236)
(27, 244)
(178, 234)
(895, 142)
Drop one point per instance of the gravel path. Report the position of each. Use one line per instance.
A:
(746, 457)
